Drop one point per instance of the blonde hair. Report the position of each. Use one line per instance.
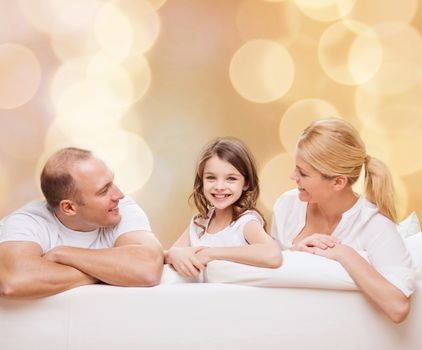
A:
(237, 154)
(333, 147)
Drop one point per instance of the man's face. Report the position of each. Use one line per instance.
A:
(99, 196)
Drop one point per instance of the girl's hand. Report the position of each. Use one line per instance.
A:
(316, 240)
(184, 260)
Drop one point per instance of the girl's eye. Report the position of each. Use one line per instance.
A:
(232, 179)
(209, 177)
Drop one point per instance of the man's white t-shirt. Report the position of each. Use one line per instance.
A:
(362, 227)
(230, 236)
(34, 222)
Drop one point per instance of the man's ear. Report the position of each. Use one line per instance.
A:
(340, 182)
(67, 207)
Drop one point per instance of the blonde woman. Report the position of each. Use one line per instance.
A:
(324, 216)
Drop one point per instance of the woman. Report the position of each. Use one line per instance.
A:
(325, 217)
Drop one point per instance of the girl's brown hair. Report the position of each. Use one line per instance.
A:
(237, 154)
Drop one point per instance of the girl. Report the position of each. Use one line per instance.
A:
(228, 226)
(325, 217)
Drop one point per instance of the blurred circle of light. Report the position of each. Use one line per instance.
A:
(20, 74)
(368, 105)
(403, 129)
(275, 179)
(105, 70)
(69, 73)
(262, 71)
(350, 53)
(75, 44)
(89, 100)
(144, 22)
(156, 4)
(325, 10)
(113, 31)
(401, 67)
(140, 73)
(376, 11)
(59, 16)
(125, 152)
(262, 19)
(298, 116)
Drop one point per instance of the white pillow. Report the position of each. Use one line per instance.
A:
(414, 246)
(170, 276)
(409, 226)
(299, 269)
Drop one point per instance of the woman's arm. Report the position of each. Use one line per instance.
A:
(181, 256)
(262, 250)
(380, 292)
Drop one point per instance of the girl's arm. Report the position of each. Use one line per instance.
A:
(262, 250)
(181, 256)
(380, 292)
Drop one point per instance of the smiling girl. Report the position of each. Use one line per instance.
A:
(228, 225)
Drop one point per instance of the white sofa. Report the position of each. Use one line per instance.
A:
(205, 316)
(315, 306)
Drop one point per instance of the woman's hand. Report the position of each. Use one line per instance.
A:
(203, 256)
(317, 240)
(184, 260)
(334, 253)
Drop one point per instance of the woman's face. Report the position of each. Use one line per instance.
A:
(313, 187)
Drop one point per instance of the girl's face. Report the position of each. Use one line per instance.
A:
(313, 187)
(222, 183)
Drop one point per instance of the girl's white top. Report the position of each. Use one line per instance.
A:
(230, 236)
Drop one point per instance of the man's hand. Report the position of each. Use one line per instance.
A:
(25, 272)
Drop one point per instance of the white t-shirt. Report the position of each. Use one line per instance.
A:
(34, 222)
(362, 227)
(230, 236)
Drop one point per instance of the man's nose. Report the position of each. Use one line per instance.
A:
(117, 194)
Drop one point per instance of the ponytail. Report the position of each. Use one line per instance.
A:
(379, 187)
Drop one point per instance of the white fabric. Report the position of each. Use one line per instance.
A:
(35, 223)
(299, 269)
(362, 227)
(409, 226)
(414, 245)
(231, 236)
(205, 316)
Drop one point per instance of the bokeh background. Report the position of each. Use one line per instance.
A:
(147, 83)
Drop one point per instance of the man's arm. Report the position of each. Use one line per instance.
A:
(135, 260)
(25, 273)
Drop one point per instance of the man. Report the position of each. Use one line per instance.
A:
(85, 232)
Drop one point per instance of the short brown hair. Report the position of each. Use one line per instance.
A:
(57, 182)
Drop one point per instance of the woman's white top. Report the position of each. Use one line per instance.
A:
(230, 236)
(362, 227)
